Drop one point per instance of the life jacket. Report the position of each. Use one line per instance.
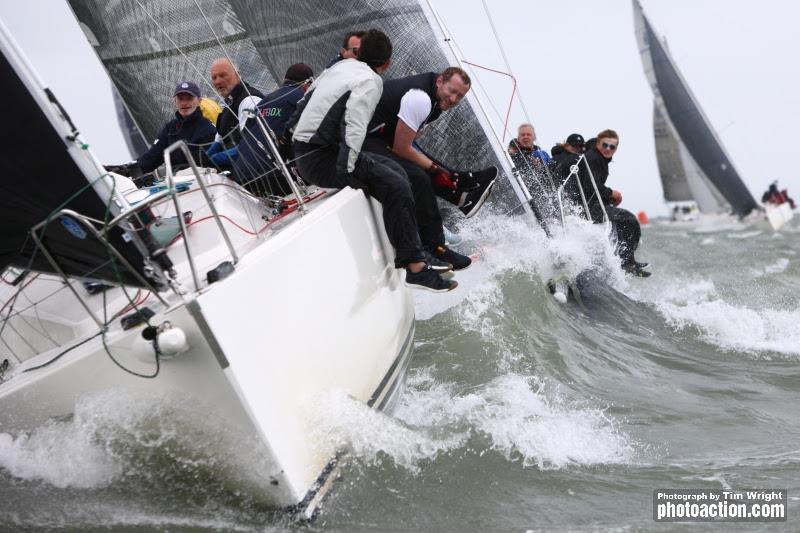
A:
(384, 121)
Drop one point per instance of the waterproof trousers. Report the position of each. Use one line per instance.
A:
(429, 219)
(627, 230)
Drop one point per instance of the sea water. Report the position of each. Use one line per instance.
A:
(519, 413)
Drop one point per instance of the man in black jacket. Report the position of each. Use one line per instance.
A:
(625, 224)
(407, 105)
(188, 125)
(255, 166)
(240, 99)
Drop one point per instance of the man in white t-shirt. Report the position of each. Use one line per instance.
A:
(407, 105)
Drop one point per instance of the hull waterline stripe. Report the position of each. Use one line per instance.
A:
(322, 484)
(397, 361)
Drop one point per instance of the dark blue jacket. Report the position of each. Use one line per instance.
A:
(194, 130)
(279, 105)
(254, 160)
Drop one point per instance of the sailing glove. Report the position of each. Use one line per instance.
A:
(442, 178)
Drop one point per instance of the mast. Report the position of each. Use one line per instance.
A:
(518, 186)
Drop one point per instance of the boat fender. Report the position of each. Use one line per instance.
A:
(171, 342)
(166, 339)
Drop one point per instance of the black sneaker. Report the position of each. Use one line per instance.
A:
(429, 280)
(459, 262)
(473, 199)
(635, 270)
(437, 265)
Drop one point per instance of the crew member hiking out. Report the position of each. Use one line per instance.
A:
(626, 226)
(526, 155)
(329, 127)
(565, 155)
(406, 107)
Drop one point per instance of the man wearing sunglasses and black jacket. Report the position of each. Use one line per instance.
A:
(626, 226)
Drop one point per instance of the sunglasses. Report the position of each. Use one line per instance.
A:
(611, 147)
(354, 50)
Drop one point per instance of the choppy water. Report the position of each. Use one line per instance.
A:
(519, 413)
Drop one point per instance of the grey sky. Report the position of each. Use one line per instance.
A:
(578, 70)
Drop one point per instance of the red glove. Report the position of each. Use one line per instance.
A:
(442, 178)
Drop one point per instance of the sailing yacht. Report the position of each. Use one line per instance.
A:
(250, 308)
(696, 172)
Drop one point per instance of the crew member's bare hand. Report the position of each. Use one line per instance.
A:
(616, 197)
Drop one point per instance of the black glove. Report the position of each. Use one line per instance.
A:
(131, 170)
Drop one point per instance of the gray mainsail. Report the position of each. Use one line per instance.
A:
(710, 174)
(285, 31)
(146, 59)
(265, 38)
(668, 155)
(681, 178)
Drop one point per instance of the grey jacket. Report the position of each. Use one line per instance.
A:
(337, 109)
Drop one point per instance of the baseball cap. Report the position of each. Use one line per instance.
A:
(298, 72)
(576, 139)
(187, 87)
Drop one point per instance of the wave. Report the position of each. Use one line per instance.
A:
(696, 304)
(153, 441)
(522, 420)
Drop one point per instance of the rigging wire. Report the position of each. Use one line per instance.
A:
(511, 73)
(178, 48)
(505, 58)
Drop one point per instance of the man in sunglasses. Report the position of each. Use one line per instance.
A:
(626, 226)
(350, 46)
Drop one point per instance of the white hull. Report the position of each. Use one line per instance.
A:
(317, 306)
(778, 215)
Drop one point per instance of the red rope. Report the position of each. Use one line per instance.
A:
(513, 92)
(286, 212)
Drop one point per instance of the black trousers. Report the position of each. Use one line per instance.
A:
(429, 219)
(626, 226)
(381, 178)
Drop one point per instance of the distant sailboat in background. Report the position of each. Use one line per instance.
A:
(696, 172)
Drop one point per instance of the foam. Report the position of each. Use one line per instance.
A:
(739, 328)
(686, 304)
(60, 453)
(745, 234)
(342, 422)
(522, 421)
(511, 245)
(114, 435)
